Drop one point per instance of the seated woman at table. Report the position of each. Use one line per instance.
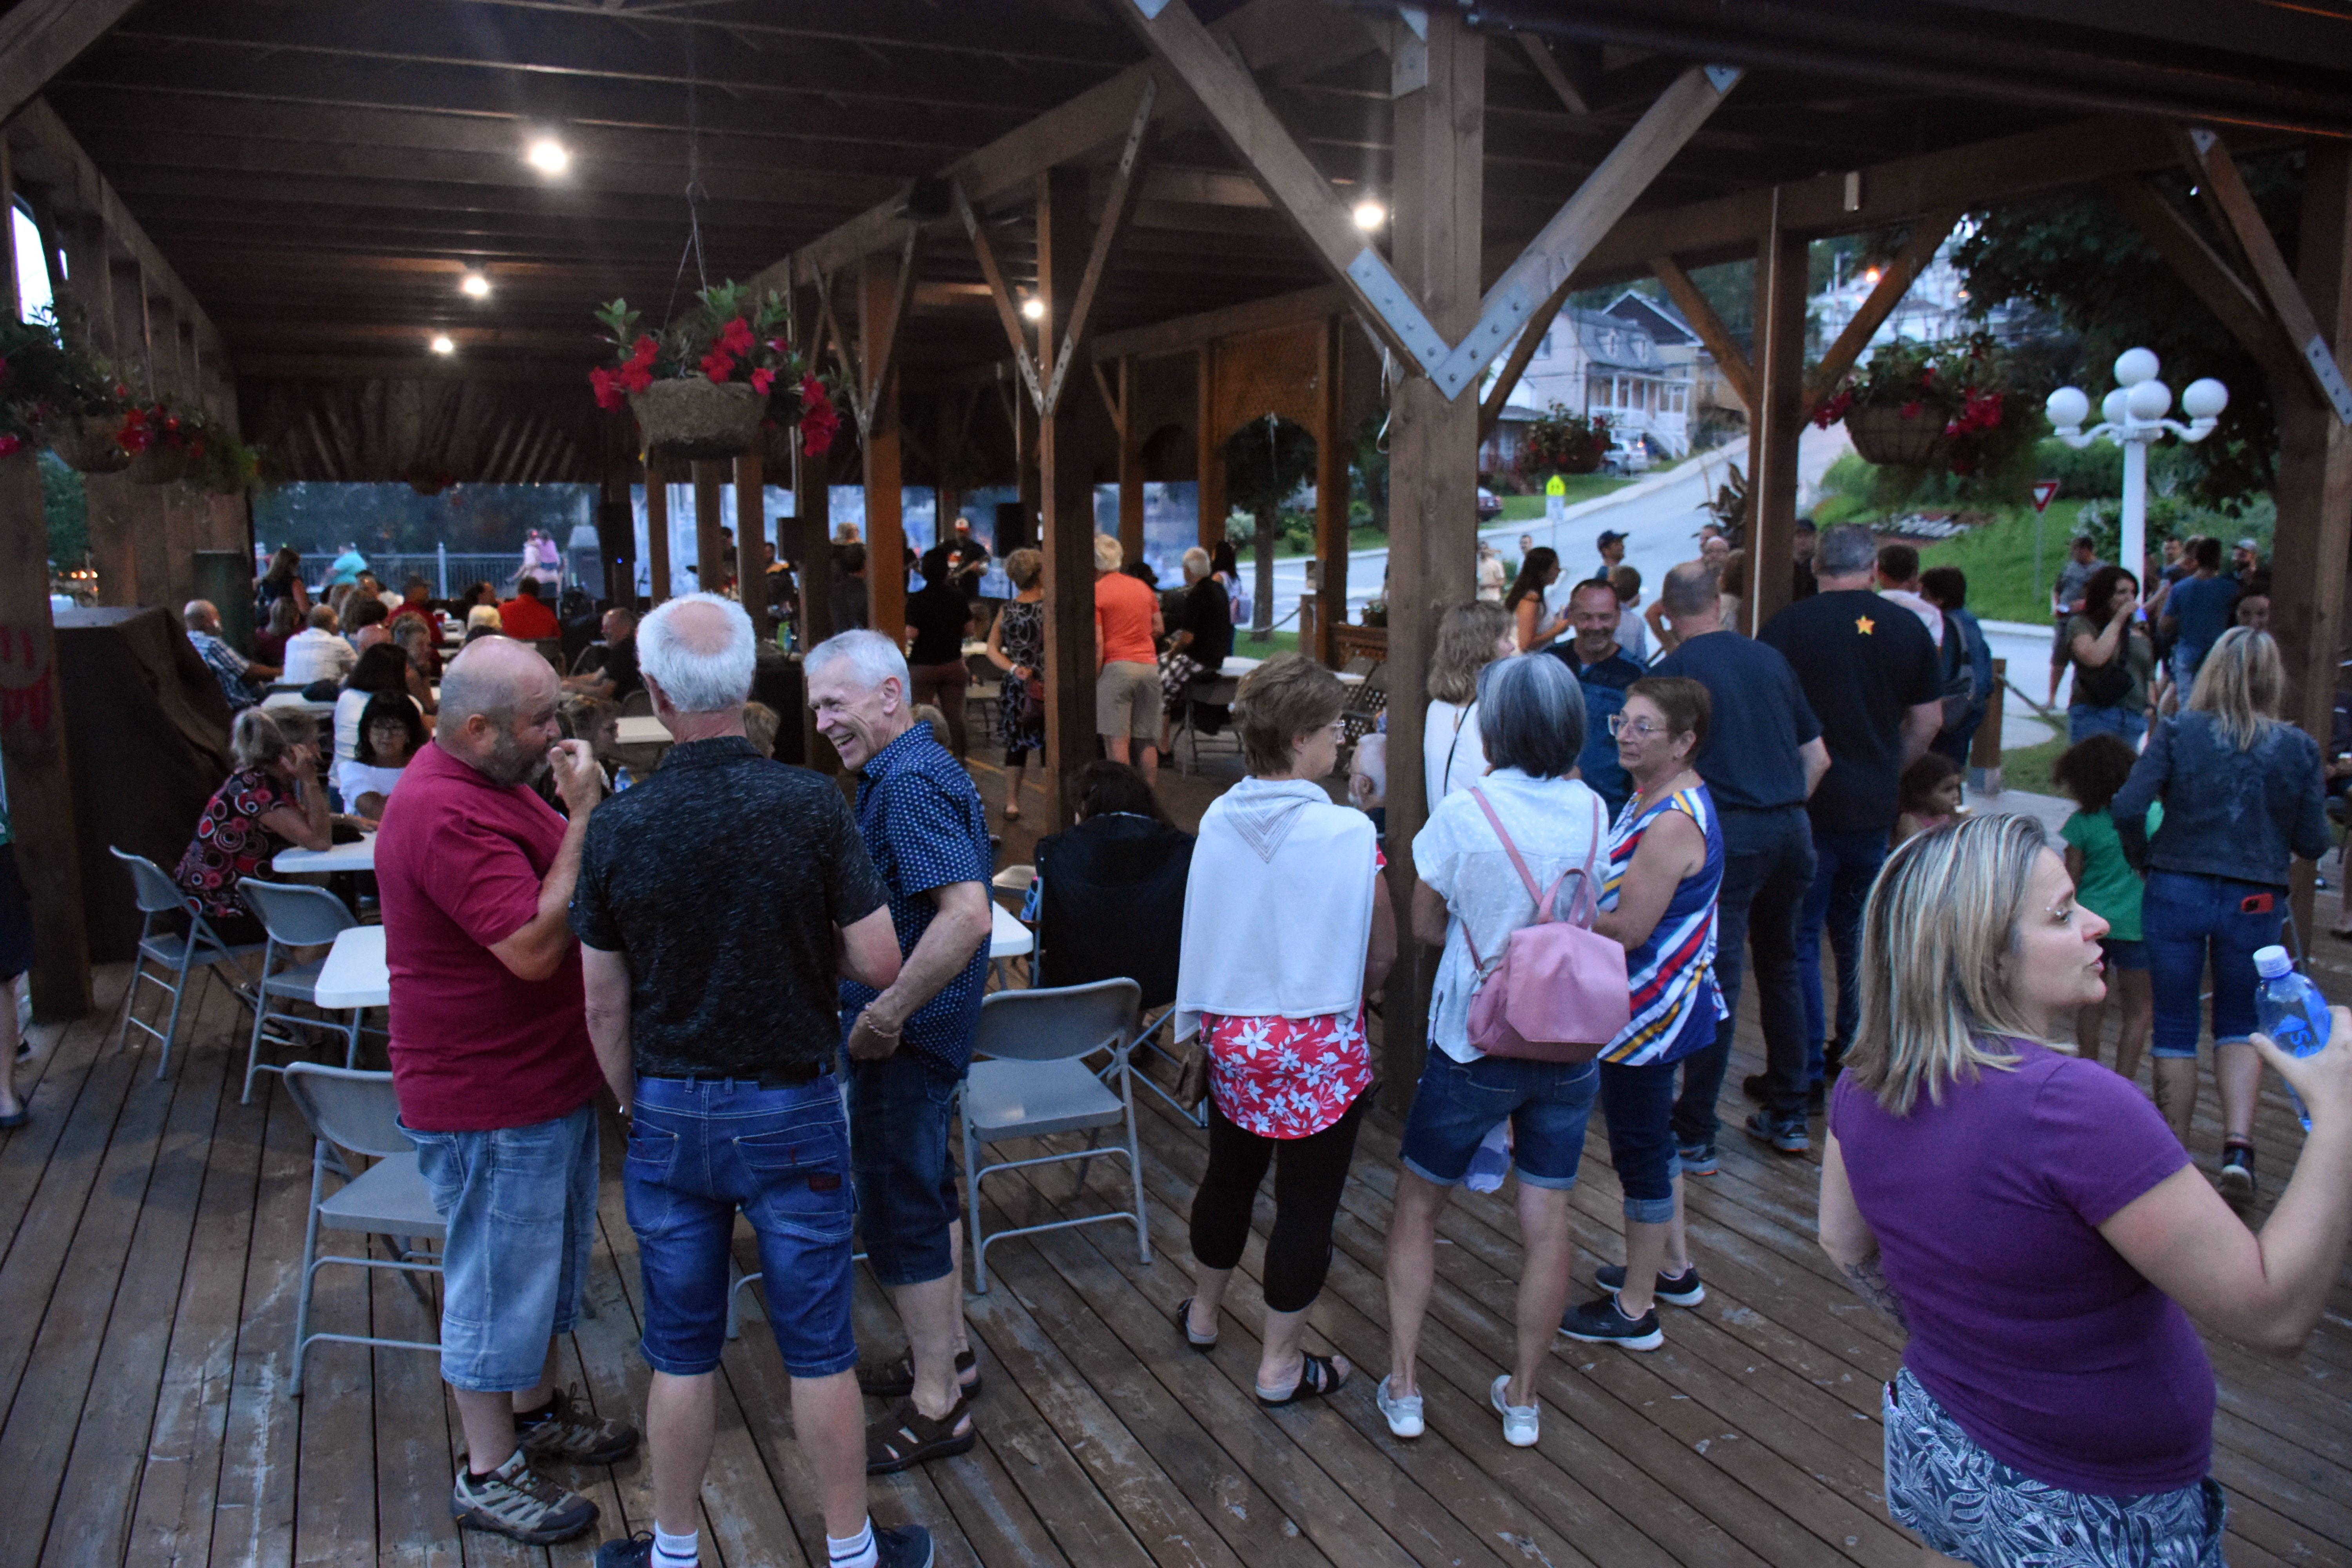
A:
(391, 732)
(482, 621)
(414, 639)
(381, 668)
(1116, 904)
(272, 802)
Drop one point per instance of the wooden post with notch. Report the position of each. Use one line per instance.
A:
(750, 533)
(709, 544)
(879, 306)
(1065, 488)
(1331, 497)
(1775, 422)
(657, 528)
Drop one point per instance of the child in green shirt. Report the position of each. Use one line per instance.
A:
(2106, 884)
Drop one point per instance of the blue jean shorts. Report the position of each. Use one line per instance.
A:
(901, 1130)
(2187, 921)
(701, 1149)
(520, 1206)
(1458, 1104)
(2124, 955)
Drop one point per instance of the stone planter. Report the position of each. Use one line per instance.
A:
(695, 418)
(1884, 436)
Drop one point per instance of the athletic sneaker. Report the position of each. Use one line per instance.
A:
(1600, 1322)
(636, 1552)
(1788, 1137)
(2238, 1172)
(570, 1432)
(1676, 1290)
(516, 1501)
(902, 1546)
(1402, 1411)
(1699, 1159)
(1521, 1422)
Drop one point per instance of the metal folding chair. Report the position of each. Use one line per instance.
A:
(1032, 1084)
(157, 895)
(354, 1113)
(294, 915)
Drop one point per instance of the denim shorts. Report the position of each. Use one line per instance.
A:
(2187, 921)
(1638, 1105)
(520, 1206)
(1457, 1104)
(2124, 955)
(700, 1150)
(901, 1130)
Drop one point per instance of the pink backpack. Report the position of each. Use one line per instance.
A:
(1559, 994)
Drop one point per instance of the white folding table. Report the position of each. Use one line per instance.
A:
(357, 857)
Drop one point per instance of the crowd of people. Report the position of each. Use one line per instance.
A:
(1618, 846)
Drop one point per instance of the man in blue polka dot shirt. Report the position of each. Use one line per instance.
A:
(909, 1045)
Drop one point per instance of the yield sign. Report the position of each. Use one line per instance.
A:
(2044, 492)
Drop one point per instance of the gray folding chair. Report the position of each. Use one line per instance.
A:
(1036, 1086)
(294, 915)
(354, 1113)
(158, 895)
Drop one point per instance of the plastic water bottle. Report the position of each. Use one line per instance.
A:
(2293, 1012)
(1492, 1162)
(622, 779)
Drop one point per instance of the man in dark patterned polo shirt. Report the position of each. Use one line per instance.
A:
(710, 904)
(910, 1044)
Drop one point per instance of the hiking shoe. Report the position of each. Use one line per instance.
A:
(518, 1501)
(1676, 1290)
(1788, 1137)
(1699, 1159)
(902, 1546)
(2238, 1172)
(1522, 1423)
(1600, 1322)
(1403, 1411)
(570, 1432)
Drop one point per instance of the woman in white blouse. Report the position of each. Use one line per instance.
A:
(1453, 756)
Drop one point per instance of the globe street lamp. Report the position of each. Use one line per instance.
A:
(2135, 417)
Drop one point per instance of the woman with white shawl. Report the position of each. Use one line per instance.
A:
(1287, 928)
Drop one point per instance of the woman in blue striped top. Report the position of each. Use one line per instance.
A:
(1666, 866)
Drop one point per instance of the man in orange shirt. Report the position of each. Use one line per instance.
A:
(1127, 688)
(526, 616)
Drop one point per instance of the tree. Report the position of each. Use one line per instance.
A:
(65, 503)
(1265, 462)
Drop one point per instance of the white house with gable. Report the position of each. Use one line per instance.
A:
(1631, 364)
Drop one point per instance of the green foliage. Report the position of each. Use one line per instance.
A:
(1561, 442)
(1265, 462)
(1580, 488)
(2082, 259)
(65, 504)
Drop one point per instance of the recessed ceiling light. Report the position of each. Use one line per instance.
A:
(1371, 215)
(548, 156)
(442, 344)
(1033, 309)
(476, 285)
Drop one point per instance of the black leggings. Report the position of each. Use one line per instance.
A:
(1307, 1183)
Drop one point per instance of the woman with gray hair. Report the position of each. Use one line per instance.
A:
(2243, 797)
(1200, 639)
(2028, 1219)
(1528, 809)
(271, 802)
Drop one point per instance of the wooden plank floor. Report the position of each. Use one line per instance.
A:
(150, 1233)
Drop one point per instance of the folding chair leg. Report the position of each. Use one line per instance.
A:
(252, 1049)
(310, 1252)
(972, 1197)
(179, 998)
(1135, 1174)
(351, 1052)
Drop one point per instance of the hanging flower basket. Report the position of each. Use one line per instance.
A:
(86, 442)
(691, 417)
(164, 463)
(1563, 443)
(1909, 437)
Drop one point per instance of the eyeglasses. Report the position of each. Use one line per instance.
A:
(1620, 727)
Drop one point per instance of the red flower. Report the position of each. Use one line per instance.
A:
(10, 446)
(718, 365)
(642, 353)
(636, 377)
(1911, 409)
(761, 380)
(735, 337)
(608, 387)
(1835, 409)
(819, 423)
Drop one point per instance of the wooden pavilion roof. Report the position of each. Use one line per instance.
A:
(322, 176)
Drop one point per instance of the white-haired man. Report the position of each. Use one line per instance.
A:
(711, 999)
(909, 1044)
(240, 677)
(495, 1074)
(1127, 658)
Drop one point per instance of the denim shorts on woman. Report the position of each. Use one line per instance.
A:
(1966, 1504)
(1458, 1104)
(2186, 919)
(520, 1206)
(699, 1150)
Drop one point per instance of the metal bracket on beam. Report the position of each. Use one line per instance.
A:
(2331, 378)
(1497, 325)
(1417, 19)
(1152, 8)
(1397, 308)
(1724, 77)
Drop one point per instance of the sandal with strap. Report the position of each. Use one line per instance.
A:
(907, 1437)
(1185, 1324)
(1317, 1377)
(895, 1379)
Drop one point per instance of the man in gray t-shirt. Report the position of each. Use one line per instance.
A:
(2066, 599)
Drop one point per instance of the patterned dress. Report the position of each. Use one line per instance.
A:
(230, 843)
(1022, 637)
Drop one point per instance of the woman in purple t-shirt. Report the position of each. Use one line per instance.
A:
(2033, 1222)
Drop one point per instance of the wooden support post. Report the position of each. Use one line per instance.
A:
(750, 533)
(1211, 450)
(812, 536)
(1131, 462)
(1775, 422)
(709, 544)
(657, 527)
(620, 569)
(879, 308)
(1433, 471)
(1330, 498)
(1065, 484)
(2314, 473)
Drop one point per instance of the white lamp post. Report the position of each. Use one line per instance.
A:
(2135, 416)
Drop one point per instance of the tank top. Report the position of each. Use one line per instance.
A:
(1675, 1000)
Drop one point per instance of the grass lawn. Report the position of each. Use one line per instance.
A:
(1246, 643)
(1998, 560)
(1580, 487)
(2028, 769)
(1357, 539)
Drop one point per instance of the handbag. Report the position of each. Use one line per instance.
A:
(2104, 685)
(1559, 993)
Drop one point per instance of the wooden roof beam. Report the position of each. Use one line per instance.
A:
(1894, 282)
(1523, 353)
(2271, 273)
(1700, 312)
(39, 39)
(2214, 280)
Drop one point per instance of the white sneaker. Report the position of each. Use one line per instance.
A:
(1404, 1411)
(1520, 1422)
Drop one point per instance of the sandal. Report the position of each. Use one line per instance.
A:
(1317, 1377)
(1184, 1324)
(895, 1379)
(907, 1437)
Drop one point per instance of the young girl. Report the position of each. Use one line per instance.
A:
(2104, 884)
(1930, 796)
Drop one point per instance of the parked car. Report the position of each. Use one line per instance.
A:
(1490, 505)
(1627, 457)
